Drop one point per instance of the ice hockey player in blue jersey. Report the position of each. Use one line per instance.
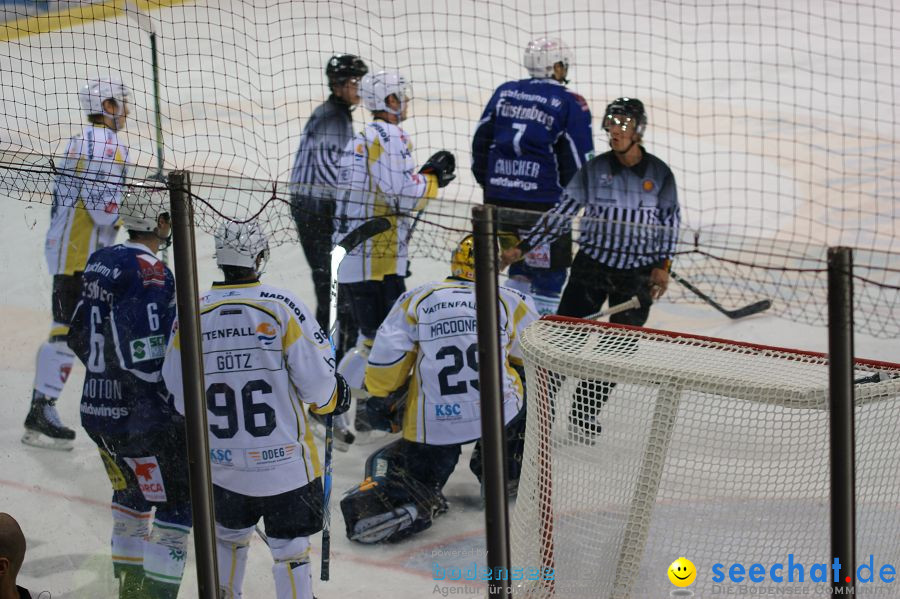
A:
(532, 138)
(120, 329)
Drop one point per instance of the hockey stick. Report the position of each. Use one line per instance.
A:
(747, 310)
(144, 21)
(634, 302)
(356, 237)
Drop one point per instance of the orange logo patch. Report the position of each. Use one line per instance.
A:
(648, 185)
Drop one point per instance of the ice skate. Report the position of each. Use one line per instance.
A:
(43, 428)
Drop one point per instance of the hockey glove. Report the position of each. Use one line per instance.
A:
(442, 165)
(343, 399)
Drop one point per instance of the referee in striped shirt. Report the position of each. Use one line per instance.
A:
(314, 183)
(627, 239)
(632, 216)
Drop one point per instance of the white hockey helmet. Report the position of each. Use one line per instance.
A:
(95, 91)
(544, 52)
(376, 87)
(141, 206)
(242, 244)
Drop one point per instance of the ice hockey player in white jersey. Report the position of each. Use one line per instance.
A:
(83, 216)
(378, 177)
(429, 342)
(266, 360)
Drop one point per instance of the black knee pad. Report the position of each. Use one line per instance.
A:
(66, 292)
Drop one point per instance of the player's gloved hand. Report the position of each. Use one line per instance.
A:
(442, 165)
(343, 399)
(386, 413)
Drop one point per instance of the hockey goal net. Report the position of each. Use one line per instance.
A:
(710, 449)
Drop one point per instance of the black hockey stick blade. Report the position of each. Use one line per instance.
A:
(368, 229)
(747, 310)
(750, 309)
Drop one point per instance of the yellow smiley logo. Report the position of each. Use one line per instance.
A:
(682, 572)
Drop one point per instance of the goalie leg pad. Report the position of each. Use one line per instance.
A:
(401, 494)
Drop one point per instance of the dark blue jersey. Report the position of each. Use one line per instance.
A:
(533, 137)
(120, 330)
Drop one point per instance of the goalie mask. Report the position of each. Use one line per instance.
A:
(242, 244)
(462, 261)
(375, 88)
(543, 53)
(141, 207)
(93, 93)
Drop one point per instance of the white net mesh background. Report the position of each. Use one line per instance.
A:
(778, 120)
(710, 450)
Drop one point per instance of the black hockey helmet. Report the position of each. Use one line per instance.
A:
(629, 107)
(341, 67)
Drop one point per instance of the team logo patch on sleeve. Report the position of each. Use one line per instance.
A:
(146, 471)
(148, 348)
(266, 333)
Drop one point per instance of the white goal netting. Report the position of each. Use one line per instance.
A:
(644, 446)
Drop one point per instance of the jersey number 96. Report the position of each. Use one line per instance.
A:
(221, 401)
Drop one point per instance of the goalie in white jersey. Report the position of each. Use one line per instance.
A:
(265, 356)
(428, 341)
(83, 218)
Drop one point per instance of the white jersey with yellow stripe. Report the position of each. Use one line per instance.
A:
(85, 199)
(429, 337)
(264, 356)
(377, 177)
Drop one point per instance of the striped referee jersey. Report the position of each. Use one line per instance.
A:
(315, 172)
(631, 214)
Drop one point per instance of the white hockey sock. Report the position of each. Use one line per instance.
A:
(232, 546)
(519, 283)
(165, 552)
(292, 571)
(546, 304)
(130, 531)
(54, 362)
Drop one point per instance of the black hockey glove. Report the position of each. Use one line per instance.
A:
(343, 399)
(343, 396)
(442, 165)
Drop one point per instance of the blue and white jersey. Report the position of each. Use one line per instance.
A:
(533, 137)
(120, 330)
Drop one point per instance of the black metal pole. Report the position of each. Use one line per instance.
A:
(493, 435)
(840, 403)
(187, 298)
